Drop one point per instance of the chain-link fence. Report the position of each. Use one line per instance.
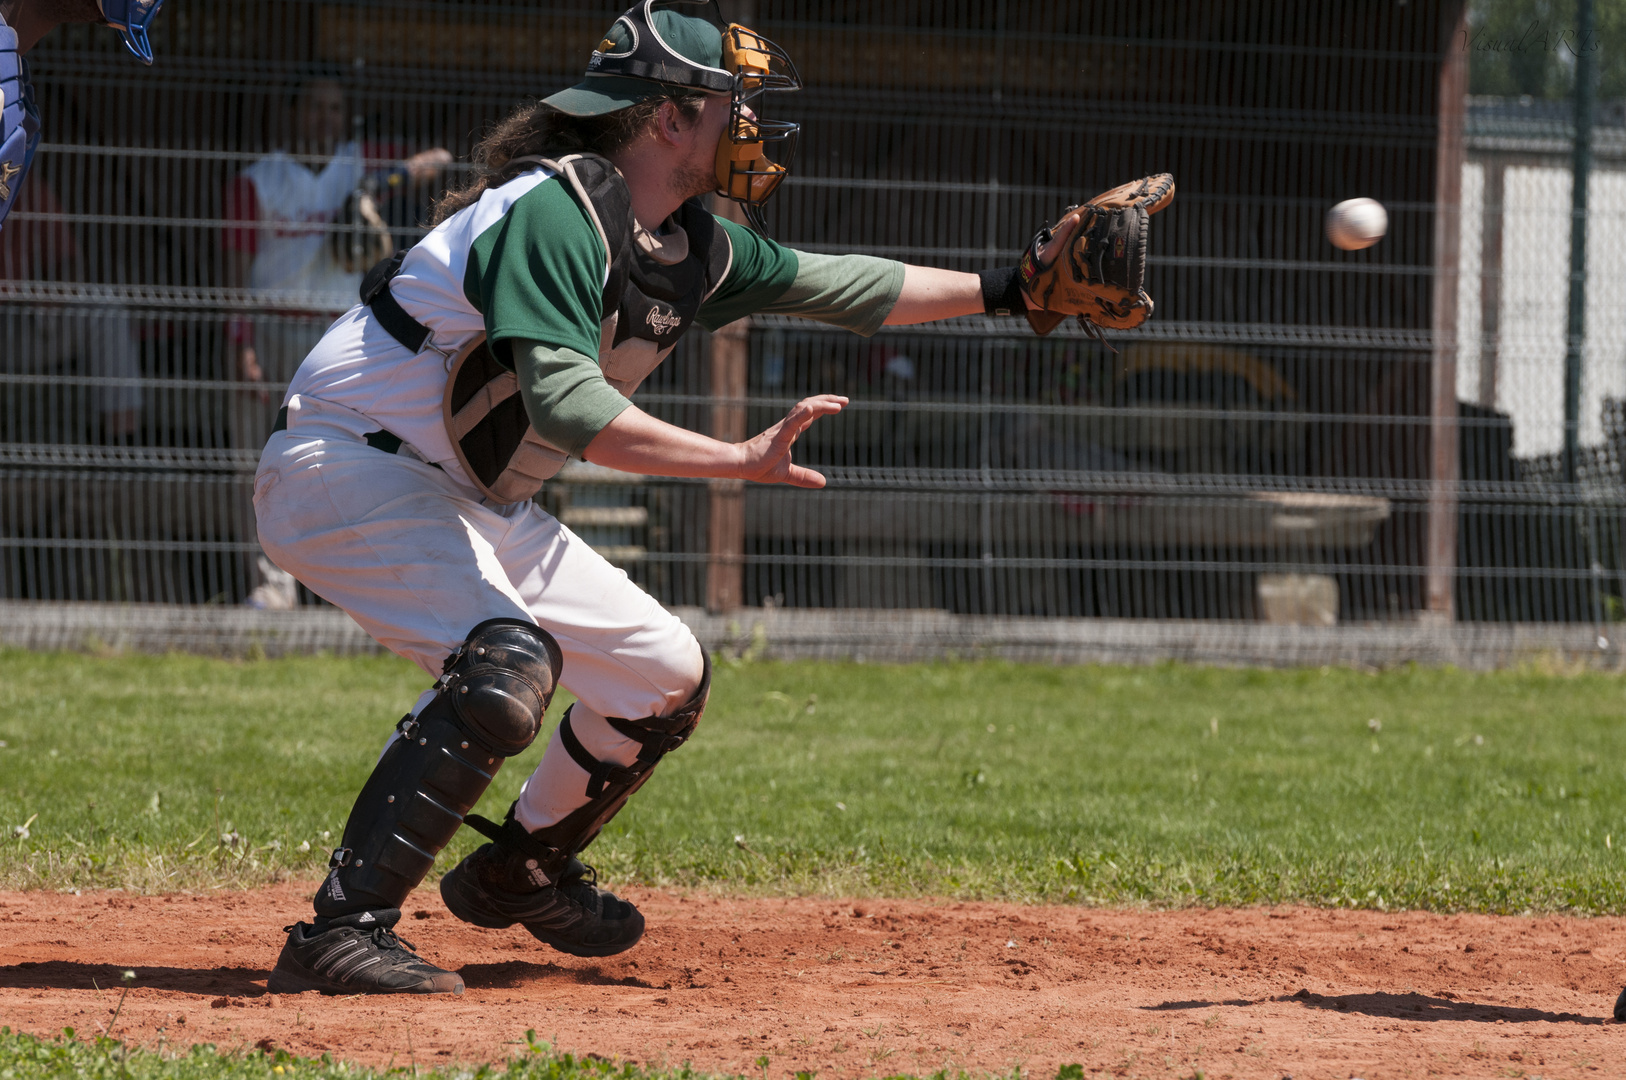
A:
(1300, 434)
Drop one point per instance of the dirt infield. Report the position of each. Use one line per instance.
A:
(850, 989)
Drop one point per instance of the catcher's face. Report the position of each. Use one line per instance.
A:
(695, 140)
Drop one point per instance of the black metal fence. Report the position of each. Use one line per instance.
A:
(1299, 434)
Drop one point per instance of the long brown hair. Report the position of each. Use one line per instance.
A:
(541, 130)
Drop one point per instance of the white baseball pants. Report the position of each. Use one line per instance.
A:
(419, 560)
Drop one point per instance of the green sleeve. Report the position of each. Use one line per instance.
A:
(759, 272)
(856, 292)
(566, 398)
(538, 272)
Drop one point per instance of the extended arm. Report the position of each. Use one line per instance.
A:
(929, 294)
(573, 408)
(1110, 233)
(862, 293)
(637, 442)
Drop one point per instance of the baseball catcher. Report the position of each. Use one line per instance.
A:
(22, 24)
(399, 484)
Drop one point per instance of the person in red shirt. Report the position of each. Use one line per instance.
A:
(286, 242)
(282, 238)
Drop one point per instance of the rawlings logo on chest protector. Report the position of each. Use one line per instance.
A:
(663, 322)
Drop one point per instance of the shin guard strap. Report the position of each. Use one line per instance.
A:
(600, 774)
(516, 838)
(608, 786)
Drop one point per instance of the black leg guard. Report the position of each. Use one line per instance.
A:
(494, 691)
(541, 857)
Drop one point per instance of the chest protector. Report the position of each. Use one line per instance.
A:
(653, 289)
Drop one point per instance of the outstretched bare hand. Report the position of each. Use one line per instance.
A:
(766, 458)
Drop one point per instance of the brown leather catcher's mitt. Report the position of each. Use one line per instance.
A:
(359, 238)
(1092, 263)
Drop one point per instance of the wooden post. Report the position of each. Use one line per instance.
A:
(725, 522)
(725, 530)
(730, 363)
(1445, 468)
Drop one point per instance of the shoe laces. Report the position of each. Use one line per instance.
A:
(582, 889)
(381, 936)
(389, 941)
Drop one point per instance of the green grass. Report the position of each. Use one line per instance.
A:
(1164, 785)
(111, 1059)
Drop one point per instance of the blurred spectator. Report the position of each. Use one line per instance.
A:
(304, 221)
(49, 338)
(286, 237)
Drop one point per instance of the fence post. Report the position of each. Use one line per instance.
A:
(1490, 277)
(730, 365)
(1444, 467)
(1581, 169)
(725, 523)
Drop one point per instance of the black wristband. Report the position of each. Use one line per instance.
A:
(1002, 292)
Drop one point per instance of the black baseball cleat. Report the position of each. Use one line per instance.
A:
(1620, 1008)
(574, 916)
(356, 954)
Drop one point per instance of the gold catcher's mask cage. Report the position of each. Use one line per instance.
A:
(754, 154)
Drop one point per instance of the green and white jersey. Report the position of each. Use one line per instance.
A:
(525, 264)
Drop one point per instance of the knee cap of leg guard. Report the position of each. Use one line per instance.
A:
(660, 735)
(501, 682)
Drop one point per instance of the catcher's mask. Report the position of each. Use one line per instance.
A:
(131, 19)
(651, 49)
(754, 154)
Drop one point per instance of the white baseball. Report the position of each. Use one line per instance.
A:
(1357, 223)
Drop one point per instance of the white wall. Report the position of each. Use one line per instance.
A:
(1535, 301)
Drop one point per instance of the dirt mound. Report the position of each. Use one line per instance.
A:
(851, 989)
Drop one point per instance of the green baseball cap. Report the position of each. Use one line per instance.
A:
(647, 54)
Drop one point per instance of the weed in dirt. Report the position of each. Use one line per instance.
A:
(1494, 792)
